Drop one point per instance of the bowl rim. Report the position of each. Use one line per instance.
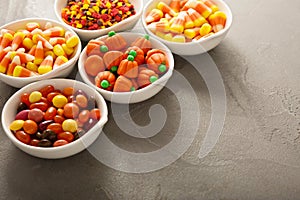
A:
(100, 123)
(99, 31)
(218, 34)
(160, 81)
(55, 71)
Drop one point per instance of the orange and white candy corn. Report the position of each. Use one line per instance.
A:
(166, 9)
(218, 21)
(154, 16)
(16, 61)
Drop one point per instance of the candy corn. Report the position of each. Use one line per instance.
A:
(54, 32)
(6, 40)
(46, 65)
(20, 71)
(205, 29)
(179, 38)
(191, 33)
(71, 39)
(18, 39)
(25, 57)
(4, 52)
(196, 17)
(166, 9)
(188, 23)
(59, 61)
(218, 21)
(175, 5)
(154, 15)
(39, 53)
(199, 6)
(5, 62)
(159, 26)
(16, 61)
(211, 5)
(57, 40)
(45, 42)
(178, 24)
(32, 25)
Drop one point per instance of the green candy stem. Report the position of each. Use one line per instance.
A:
(132, 89)
(114, 68)
(132, 52)
(162, 68)
(130, 58)
(111, 33)
(104, 49)
(153, 79)
(147, 37)
(105, 84)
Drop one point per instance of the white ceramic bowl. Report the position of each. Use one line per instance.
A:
(197, 47)
(63, 71)
(138, 95)
(10, 108)
(86, 35)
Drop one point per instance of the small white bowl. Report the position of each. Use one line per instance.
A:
(63, 71)
(197, 47)
(9, 113)
(85, 35)
(138, 95)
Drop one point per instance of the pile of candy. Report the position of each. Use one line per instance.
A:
(35, 50)
(114, 65)
(50, 117)
(96, 14)
(185, 20)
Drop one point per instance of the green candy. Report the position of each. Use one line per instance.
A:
(114, 68)
(104, 49)
(111, 33)
(105, 84)
(133, 53)
(130, 58)
(132, 89)
(153, 79)
(147, 37)
(162, 68)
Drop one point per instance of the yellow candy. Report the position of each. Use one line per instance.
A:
(179, 38)
(72, 41)
(168, 37)
(16, 125)
(59, 101)
(58, 50)
(67, 49)
(51, 53)
(70, 125)
(35, 96)
(205, 29)
(44, 69)
(27, 43)
(31, 66)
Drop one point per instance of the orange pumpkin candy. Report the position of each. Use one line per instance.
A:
(128, 67)
(137, 53)
(146, 77)
(112, 60)
(105, 80)
(93, 65)
(96, 47)
(123, 84)
(115, 41)
(135, 85)
(143, 43)
(157, 61)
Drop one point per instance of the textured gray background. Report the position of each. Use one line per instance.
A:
(257, 155)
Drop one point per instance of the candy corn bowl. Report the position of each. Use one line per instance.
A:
(12, 106)
(125, 24)
(26, 59)
(142, 90)
(194, 44)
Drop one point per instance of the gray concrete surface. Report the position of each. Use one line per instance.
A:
(257, 155)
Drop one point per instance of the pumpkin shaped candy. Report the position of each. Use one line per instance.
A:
(115, 41)
(112, 60)
(123, 84)
(105, 80)
(143, 43)
(146, 77)
(93, 65)
(157, 61)
(96, 47)
(137, 53)
(128, 67)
